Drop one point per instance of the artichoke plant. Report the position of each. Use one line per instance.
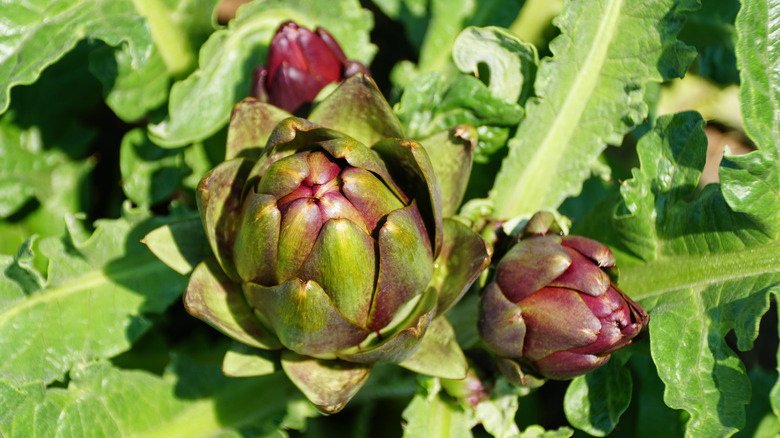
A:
(330, 246)
(552, 310)
(300, 63)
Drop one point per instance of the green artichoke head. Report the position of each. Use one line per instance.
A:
(330, 245)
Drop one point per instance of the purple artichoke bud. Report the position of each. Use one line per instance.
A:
(300, 64)
(552, 310)
(330, 245)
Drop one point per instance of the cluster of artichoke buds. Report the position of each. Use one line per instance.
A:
(299, 64)
(330, 244)
(552, 310)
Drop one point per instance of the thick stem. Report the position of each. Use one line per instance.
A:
(169, 37)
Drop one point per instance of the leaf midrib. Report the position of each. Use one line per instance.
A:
(556, 139)
(673, 273)
(132, 267)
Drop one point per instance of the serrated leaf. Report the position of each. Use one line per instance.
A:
(512, 63)
(594, 402)
(39, 32)
(104, 401)
(758, 58)
(590, 94)
(93, 303)
(430, 415)
(21, 271)
(704, 265)
(433, 103)
(226, 61)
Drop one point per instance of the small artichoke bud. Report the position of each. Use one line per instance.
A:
(479, 382)
(552, 310)
(300, 63)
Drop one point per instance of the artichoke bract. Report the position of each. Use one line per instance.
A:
(330, 245)
(552, 310)
(300, 63)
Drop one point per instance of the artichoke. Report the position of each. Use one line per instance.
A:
(300, 63)
(552, 310)
(329, 245)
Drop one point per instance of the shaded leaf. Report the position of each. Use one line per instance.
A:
(131, 89)
(594, 402)
(39, 32)
(711, 30)
(149, 173)
(30, 173)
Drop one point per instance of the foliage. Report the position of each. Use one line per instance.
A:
(111, 112)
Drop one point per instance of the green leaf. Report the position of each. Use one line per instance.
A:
(241, 360)
(774, 395)
(497, 414)
(590, 94)
(761, 421)
(703, 263)
(149, 173)
(227, 59)
(711, 30)
(413, 14)
(30, 173)
(39, 32)
(432, 103)
(439, 353)
(180, 245)
(511, 62)
(653, 418)
(594, 402)
(189, 400)
(131, 89)
(758, 58)
(431, 415)
(536, 431)
(93, 303)
(20, 271)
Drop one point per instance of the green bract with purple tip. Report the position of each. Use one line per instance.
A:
(330, 245)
